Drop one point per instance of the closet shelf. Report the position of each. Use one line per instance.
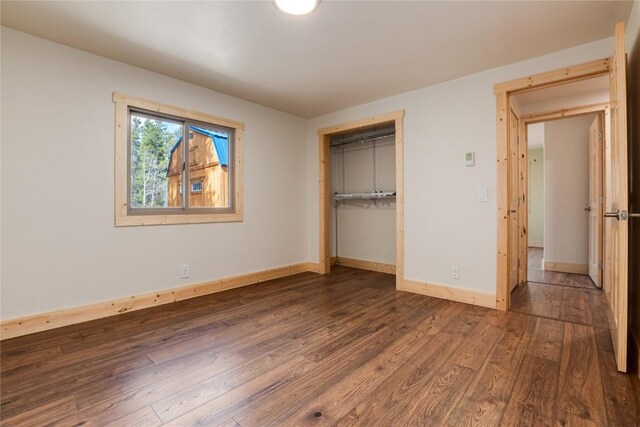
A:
(365, 196)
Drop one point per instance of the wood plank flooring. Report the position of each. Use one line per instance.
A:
(571, 304)
(569, 297)
(341, 349)
(535, 273)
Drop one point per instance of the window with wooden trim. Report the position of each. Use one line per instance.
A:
(196, 187)
(175, 166)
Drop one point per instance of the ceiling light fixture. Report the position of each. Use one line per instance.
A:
(297, 7)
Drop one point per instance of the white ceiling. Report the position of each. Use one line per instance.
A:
(344, 54)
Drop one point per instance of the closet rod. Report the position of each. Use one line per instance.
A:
(362, 140)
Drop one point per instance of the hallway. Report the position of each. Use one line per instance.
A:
(562, 296)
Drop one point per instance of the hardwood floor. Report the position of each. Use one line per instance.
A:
(569, 297)
(571, 304)
(535, 273)
(342, 349)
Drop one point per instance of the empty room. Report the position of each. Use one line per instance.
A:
(319, 212)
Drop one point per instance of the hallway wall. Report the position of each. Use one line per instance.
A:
(566, 190)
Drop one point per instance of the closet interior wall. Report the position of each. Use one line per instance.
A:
(363, 229)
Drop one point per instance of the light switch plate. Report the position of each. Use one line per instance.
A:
(482, 194)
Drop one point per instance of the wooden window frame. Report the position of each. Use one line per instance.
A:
(124, 216)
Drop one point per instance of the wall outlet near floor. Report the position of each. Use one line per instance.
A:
(455, 272)
(184, 271)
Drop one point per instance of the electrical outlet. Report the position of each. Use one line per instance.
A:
(455, 272)
(184, 271)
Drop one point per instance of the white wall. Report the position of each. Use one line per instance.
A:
(444, 225)
(566, 189)
(566, 102)
(366, 229)
(536, 198)
(59, 244)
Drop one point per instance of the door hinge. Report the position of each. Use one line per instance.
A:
(599, 265)
(600, 200)
(518, 262)
(183, 166)
(600, 135)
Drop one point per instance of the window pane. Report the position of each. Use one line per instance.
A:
(209, 164)
(156, 162)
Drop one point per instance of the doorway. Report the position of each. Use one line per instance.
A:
(564, 233)
(615, 258)
(565, 194)
(334, 136)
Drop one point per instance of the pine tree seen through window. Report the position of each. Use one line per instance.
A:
(151, 143)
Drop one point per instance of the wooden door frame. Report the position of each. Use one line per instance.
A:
(324, 180)
(515, 111)
(504, 91)
(601, 144)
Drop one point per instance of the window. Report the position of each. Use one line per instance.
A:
(160, 149)
(196, 187)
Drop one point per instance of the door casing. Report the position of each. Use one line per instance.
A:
(504, 92)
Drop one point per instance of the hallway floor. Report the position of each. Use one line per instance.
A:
(562, 296)
(537, 274)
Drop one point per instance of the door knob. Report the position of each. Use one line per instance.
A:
(513, 211)
(588, 209)
(618, 214)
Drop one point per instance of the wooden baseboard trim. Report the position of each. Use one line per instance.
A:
(12, 328)
(535, 244)
(313, 267)
(467, 296)
(364, 264)
(565, 267)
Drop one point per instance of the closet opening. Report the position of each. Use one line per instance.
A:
(361, 197)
